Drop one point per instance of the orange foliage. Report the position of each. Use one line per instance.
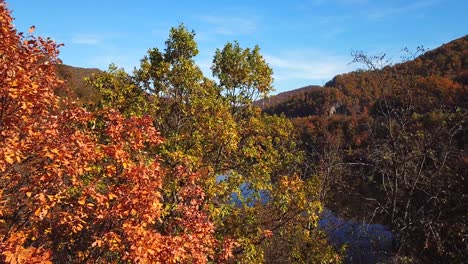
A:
(78, 186)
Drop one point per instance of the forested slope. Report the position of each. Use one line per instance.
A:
(389, 145)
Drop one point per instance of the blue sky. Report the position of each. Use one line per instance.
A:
(305, 42)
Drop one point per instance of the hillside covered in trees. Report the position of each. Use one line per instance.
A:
(441, 75)
(389, 145)
(75, 85)
(167, 165)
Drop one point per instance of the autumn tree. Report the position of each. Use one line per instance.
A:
(247, 160)
(77, 186)
(417, 165)
(394, 151)
(243, 75)
(119, 91)
(409, 171)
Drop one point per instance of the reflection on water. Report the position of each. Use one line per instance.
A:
(366, 243)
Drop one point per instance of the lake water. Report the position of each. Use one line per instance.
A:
(366, 243)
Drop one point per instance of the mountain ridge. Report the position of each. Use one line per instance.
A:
(75, 85)
(349, 92)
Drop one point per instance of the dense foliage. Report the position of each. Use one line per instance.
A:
(248, 161)
(78, 186)
(388, 143)
(164, 166)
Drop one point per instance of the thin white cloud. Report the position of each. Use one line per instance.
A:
(290, 68)
(383, 12)
(312, 66)
(230, 26)
(86, 39)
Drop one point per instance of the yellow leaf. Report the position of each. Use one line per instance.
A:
(82, 201)
(37, 212)
(112, 196)
(9, 160)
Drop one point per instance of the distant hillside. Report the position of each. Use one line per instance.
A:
(449, 61)
(75, 83)
(305, 102)
(441, 75)
(281, 97)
